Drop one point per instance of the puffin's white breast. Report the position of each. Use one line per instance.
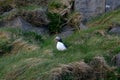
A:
(60, 46)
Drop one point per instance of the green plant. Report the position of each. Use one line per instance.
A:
(54, 4)
(5, 47)
(32, 35)
(56, 22)
(39, 63)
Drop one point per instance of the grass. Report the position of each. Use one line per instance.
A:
(106, 18)
(30, 7)
(19, 11)
(84, 45)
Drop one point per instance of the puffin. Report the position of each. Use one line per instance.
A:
(60, 45)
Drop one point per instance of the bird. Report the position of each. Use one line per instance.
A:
(60, 45)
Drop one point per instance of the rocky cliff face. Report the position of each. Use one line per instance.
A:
(113, 4)
(91, 8)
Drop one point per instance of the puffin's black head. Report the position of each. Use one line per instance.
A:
(58, 39)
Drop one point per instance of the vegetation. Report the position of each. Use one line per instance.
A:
(37, 64)
(61, 14)
(29, 56)
(56, 22)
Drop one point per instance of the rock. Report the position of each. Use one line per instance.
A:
(5, 8)
(22, 24)
(19, 23)
(9, 12)
(107, 8)
(66, 34)
(113, 4)
(66, 31)
(82, 26)
(67, 28)
(115, 30)
(10, 15)
(2, 24)
(42, 30)
(116, 60)
(90, 8)
(36, 17)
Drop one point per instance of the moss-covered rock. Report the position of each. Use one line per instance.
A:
(36, 17)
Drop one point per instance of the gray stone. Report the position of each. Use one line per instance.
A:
(10, 12)
(36, 17)
(66, 34)
(113, 4)
(66, 31)
(90, 8)
(107, 8)
(115, 30)
(2, 23)
(82, 26)
(22, 24)
(4, 8)
(116, 60)
(67, 28)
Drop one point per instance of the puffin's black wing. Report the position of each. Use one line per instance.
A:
(65, 45)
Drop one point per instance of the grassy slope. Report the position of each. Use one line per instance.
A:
(86, 44)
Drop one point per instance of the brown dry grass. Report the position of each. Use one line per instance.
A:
(101, 68)
(73, 71)
(18, 70)
(4, 36)
(20, 45)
